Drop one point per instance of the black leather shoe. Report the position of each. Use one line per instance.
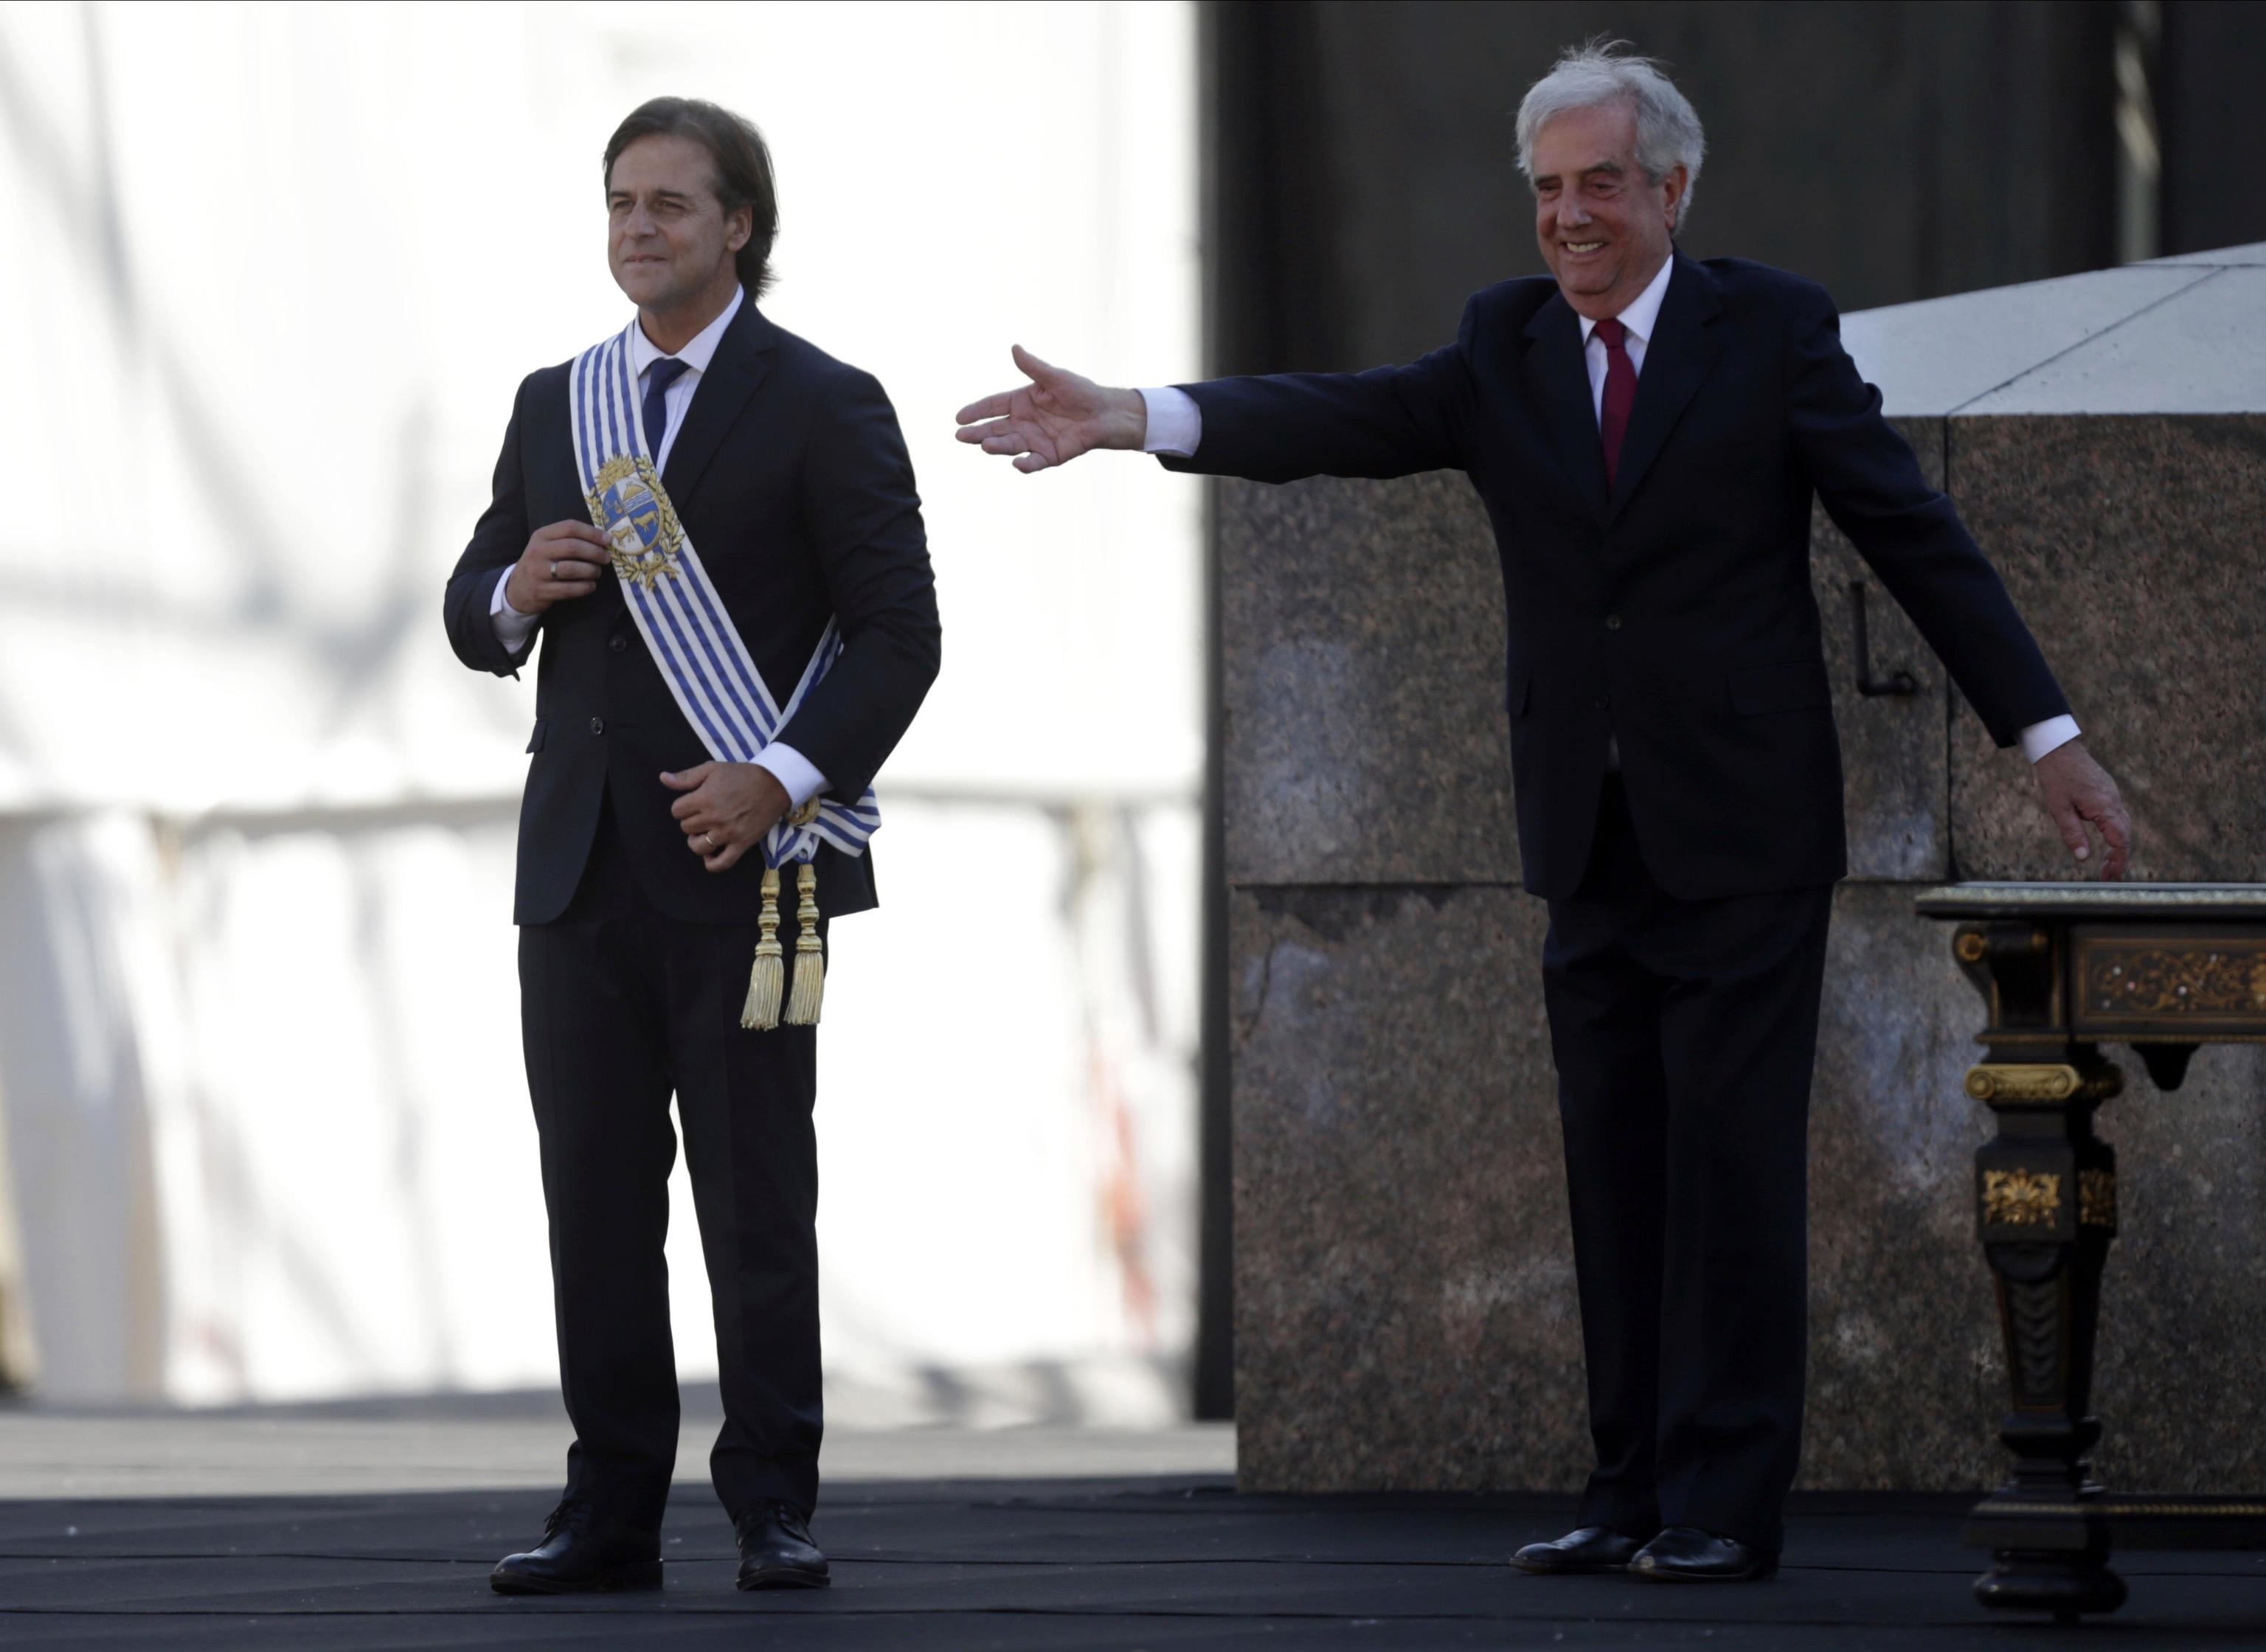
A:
(1590, 1549)
(582, 1552)
(1685, 1554)
(776, 1551)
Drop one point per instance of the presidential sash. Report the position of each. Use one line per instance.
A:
(700, 656)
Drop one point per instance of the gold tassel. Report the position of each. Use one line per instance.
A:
(760, 1012)
(810, 992)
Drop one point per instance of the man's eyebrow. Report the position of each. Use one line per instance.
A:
(1608, 165)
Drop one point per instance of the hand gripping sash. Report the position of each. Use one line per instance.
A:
(706, 666)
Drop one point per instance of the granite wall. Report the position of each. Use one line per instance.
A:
(1405, 1308)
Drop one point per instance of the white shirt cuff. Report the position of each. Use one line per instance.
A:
(2039, 738)
(791, 770)
(512, 627)
(1176, 422)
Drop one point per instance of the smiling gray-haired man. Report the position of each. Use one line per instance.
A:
(1647, 432)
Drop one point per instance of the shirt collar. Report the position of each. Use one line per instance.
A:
(1643, 315)
(697, 352)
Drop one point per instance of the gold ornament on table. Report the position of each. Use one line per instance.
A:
(2096, 1198)
(2127, 978)
(2004, 1082)
(2021, 1198)
(2010, 1081)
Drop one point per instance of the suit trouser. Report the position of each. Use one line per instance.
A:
(1684, 1034)
(621, 1006)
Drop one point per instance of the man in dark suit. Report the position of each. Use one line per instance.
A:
(1647, 432)
(640, 869)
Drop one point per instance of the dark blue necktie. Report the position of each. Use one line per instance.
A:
(658, 378)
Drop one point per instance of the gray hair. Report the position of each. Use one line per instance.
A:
(1596, 73)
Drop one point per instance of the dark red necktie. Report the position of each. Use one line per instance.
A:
(1620, 393)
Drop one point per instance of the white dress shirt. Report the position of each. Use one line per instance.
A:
(793, 770)
(1639, 321)
(1176, 428)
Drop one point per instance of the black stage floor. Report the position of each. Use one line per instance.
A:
(1159, 1562)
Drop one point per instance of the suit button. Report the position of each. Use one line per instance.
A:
(598, 724)
(1605, 702)
(618, 643)
(1612, 622)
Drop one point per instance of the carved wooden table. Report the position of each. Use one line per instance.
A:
(2064, 968)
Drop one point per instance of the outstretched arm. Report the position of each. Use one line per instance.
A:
(1387, 421)
(1055, 416)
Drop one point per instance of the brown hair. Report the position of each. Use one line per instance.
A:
(743, 169)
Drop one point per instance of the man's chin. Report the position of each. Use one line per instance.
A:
(647, 289)
(1586, 284)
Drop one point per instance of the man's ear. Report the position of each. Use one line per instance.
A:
(739, 227)
(1675, 183)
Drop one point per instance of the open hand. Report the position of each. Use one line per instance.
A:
(1055, 418)
(2078, 792)
(727, 810)
(563, 560)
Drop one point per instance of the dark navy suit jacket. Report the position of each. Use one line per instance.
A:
(1674, 613)
(791, 478)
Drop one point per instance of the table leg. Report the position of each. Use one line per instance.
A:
(2046, 1198)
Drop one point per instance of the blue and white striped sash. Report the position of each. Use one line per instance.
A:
(676, 607)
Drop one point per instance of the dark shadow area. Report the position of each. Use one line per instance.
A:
(1061, 1563)
(1361, 180)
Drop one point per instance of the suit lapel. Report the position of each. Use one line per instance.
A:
(1682, 349)
(741, 359)
(1558, 380)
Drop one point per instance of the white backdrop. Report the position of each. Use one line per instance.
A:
(277, 271)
